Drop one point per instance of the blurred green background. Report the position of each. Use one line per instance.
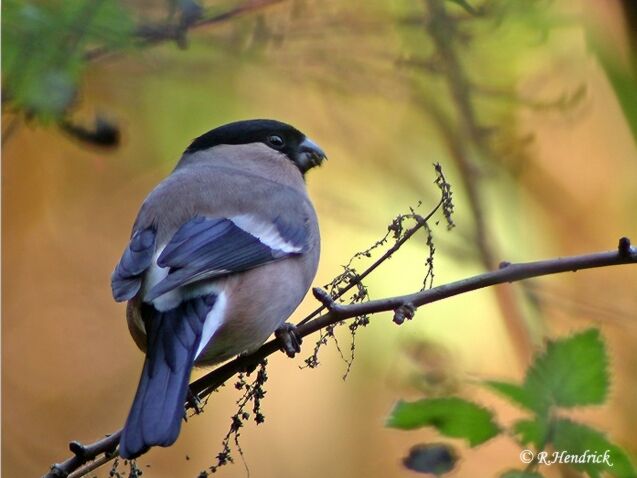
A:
(530, 107)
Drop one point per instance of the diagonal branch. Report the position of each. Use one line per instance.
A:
(151, 34)
(507, 273)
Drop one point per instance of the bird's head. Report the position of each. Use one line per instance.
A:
(281, 137)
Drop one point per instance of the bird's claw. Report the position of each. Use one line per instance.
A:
(290, 339)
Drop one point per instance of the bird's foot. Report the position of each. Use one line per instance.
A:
(290, 339)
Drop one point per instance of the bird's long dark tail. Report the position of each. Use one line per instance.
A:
(158, 408)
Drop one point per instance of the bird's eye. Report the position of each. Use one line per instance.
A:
(276, 141)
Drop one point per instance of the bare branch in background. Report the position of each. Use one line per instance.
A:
(154, 33)
(464, 138)
(104, 133)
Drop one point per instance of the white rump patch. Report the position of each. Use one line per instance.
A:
(213, 321)
(266, 232)
(154, 275)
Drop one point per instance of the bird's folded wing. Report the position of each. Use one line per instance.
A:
(206, 248)
(127, 276)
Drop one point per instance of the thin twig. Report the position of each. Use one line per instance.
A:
(152, 34)
(420, 224)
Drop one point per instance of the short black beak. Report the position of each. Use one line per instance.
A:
(310, 155)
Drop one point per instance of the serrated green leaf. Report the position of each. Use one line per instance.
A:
(577, 439)
(514, 392)
(453, 417)
(571, 372)
(521, 474)
(532, 432)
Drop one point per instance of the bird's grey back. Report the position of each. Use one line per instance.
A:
(215, 188)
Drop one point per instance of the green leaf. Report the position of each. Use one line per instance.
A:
(533, 432)
(512, 391)
(453, 417)
(576, 439)
(521, 474)
(571, 372)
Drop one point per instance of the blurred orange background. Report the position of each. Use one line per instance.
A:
(558, 179)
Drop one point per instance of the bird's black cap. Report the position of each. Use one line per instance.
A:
(274, 134)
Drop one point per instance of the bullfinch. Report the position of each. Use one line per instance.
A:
(221, 253)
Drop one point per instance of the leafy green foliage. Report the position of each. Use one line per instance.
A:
(577, 439)
(512, 391)
(44, 48)
(571, 372)
(453, 417)
(532, 432)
